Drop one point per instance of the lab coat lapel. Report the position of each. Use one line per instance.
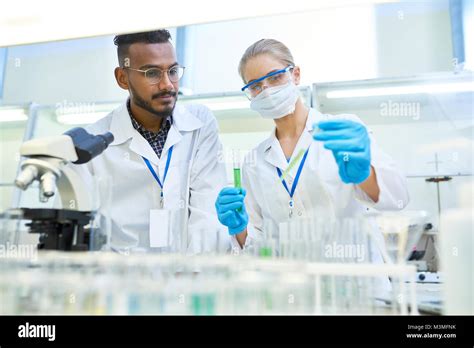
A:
(314, 116)
(274, 153)
(183, 121)
(142, 147)
(174, 137)
(122, 129)
(121, 125)
(305, 140)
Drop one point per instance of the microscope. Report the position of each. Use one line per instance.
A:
(49, 162)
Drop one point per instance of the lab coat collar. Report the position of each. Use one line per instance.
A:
(184, 120)
(121, 125)
(314, 116)
(272, 148)
(122, 129)
(274, 153)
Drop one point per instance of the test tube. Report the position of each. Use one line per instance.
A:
(236, 170)
(265, 249)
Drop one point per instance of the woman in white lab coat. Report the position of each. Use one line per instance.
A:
(341, 173)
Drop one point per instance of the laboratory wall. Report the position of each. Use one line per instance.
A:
(350, 43)
(415, 152)
(413, 38)
(63, 72)
(468, 33)
(347, 43)
(11, 136)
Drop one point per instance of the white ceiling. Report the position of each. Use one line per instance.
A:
(33, 21)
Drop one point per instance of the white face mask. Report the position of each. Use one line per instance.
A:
(276, 102)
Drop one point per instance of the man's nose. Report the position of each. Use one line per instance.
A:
(165, 82)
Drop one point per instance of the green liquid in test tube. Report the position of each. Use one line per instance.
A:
(265, 252)
(237, 178)
(237, 174)
(265, 249)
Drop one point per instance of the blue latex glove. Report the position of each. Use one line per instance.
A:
(231, 209)
(350, 145)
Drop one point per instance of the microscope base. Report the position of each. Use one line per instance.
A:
(59, 229)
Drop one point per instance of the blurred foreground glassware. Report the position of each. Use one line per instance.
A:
(204, 284)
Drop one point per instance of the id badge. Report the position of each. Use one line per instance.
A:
(160, 228)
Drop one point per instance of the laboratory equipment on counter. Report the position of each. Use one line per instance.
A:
(49, 162)
(109, 283)
(457, 258)
(429, 277)
(402, 231)
(318, 240)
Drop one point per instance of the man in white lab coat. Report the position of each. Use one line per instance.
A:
(162, 166)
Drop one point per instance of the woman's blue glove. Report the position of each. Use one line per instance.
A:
(231, 209)
(350, 145)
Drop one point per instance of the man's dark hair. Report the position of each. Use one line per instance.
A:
(123, 42)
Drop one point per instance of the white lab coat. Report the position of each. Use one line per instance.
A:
(194, 179)
(320, 192)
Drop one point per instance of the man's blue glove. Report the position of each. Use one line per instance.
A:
(231, 209)
(350, 145)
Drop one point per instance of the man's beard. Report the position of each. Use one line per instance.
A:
(139, 101)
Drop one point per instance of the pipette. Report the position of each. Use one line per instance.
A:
(293, 162)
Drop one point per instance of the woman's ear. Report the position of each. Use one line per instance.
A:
(296, 75)
(121, 78)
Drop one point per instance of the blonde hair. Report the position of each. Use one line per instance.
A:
(266, 46)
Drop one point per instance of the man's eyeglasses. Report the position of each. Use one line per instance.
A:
(154, 75)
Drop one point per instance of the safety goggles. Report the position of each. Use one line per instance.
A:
(275, 78)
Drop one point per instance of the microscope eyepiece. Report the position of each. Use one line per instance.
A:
(87, 145)
(108, 138)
